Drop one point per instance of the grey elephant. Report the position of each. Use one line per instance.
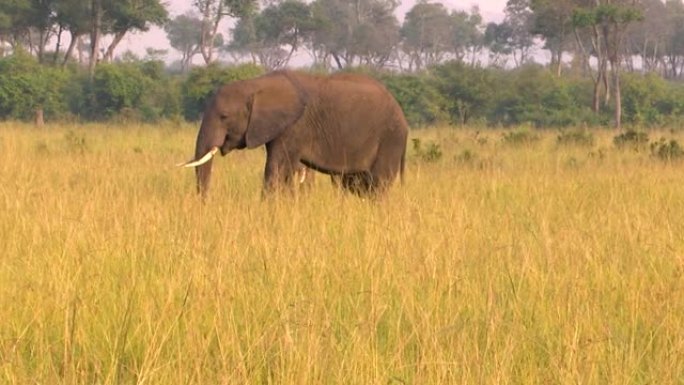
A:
(345, 125)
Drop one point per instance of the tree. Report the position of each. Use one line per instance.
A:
(96, 12)
(427, 34)
(586, 29)
(41, 21)
(376, 36)
(15, 21)
(608, 21)
(519, 19)
(553, 23)
(648, 41)
(358, 32)
(333, 19)
(265, 35)
(124, 16)
(184, 35)
(673, 47)
(466, 37)
(74, 17)
(615, 20)
(498, 39)
(212, 12)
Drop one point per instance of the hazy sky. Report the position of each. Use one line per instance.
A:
(491, 10)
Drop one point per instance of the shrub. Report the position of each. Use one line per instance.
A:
(75, 143)
(468, 92)
(575, 137)
(26, 86)
(640, 96)
(431, 153)
(667, 150)
(161, 99)
(466, 157)
(671, 105)
(418, 98)
(533, 95)
(521, 136)
(116, 89)
(631, 139)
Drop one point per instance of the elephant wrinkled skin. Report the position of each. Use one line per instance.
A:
(345, 125)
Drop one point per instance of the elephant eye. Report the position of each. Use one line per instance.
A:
(223, 116)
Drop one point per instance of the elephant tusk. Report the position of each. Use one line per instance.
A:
(302, 178)
(194, 163)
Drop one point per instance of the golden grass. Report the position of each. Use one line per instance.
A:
(497, 264)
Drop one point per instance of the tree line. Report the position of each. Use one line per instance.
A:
(609, 59)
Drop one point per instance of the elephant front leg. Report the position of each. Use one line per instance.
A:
(280, 169)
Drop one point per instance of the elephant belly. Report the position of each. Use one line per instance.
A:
(340, 159)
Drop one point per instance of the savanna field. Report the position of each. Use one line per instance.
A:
(502, 259)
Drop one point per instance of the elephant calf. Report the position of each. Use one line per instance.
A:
(345, 125)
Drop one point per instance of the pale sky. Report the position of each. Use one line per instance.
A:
(491, 10)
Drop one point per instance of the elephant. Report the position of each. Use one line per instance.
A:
(346, 125)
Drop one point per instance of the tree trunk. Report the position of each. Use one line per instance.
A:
(41, 46)
(70, 49)
(109, 55)
(596, 104)
(208, 35)
(606, 82)
(79, 48)
(596, 99)
(618, 98)
(58, 46)
(337, 60)
(38, 119)
(95, 35)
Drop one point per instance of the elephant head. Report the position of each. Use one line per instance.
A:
(244, 114)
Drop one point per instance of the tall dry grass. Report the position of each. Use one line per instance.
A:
(496, 264)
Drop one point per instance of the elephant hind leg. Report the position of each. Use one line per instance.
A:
(384, 171)
(360, 183)
(370, 183)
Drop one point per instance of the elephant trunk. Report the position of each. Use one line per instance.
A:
(204, 151)
(203, 174)
(208, 142)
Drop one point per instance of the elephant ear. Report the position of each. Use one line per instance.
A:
(272, 109)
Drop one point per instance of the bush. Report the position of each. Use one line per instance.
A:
(162, 97)
(75, 143)
(667, 150)
(671, 105)
(431, 153)
(418, 98)
(125, 91)
(640, 96)
(520, 137)
(466, 157)
(631, 139)
(116, 89)
(26, 86)
(468, 92)
(533, 95)
(575, 137)
(202, 82)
